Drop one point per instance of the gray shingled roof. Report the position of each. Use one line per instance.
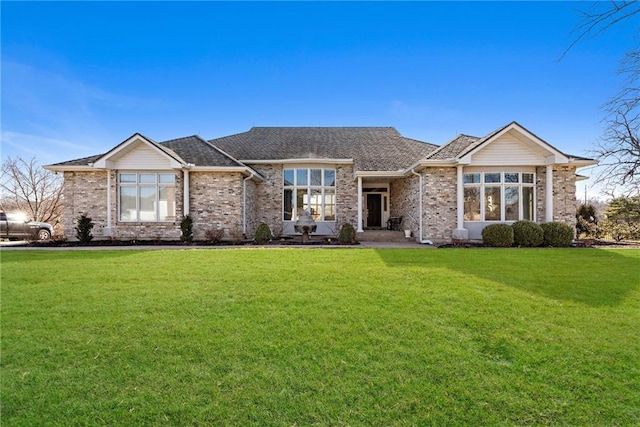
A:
(454, 147)
(194, 149)
(371, 148)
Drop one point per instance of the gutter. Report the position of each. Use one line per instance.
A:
(420, 239)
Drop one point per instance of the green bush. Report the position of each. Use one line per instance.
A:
(498, 235)
(83, 229)
(557, 234)
(263, 234)
(527, 234)
(347, 235)
(186, 227)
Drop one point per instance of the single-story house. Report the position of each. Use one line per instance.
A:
(367, 176)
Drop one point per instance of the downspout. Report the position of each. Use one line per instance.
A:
(244, 202)
(420, 239)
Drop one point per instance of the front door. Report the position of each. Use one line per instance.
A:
(374, 210)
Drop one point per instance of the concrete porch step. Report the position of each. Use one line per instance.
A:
(382, 236)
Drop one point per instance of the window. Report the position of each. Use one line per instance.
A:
(146, 197)
(309, 189)
(499, 196)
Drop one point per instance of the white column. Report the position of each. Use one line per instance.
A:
(460, 232)
(360, 230)
(185, 195)
(107, 230)
(548, 208)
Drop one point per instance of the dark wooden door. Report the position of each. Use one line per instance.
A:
(374, 210)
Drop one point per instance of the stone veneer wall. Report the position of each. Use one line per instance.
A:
(404, 201)
(346, 197)
(268, 198)
(215, 201)
(84, 192)
(439, 203)
(564, 194)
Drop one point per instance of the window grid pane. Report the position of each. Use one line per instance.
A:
(472, 204)
(492, 205)
(491, 177)
(471, 178)
(311, 190)
(511, 177)
(512, 203)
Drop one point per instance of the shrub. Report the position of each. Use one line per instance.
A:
(498, 235)
(527, 234)
(83, 229)
(214, 235)
(586, 221)
(557, 234)
(347, 235)
(263, 234)
(186, 227)
(620, 230)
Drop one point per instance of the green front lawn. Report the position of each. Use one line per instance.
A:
(304, 337)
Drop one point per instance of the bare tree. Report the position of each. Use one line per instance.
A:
(618, 149)
(28, 187)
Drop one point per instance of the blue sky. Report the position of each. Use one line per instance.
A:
(80, 77)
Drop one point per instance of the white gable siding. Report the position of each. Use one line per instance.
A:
(510, 149)
(139, 157)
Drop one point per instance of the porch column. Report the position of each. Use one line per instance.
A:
(460, 232)
(548, 208)
(107, 229)
(360, 230)
(185, 195)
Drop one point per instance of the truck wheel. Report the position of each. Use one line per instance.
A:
(44, 234)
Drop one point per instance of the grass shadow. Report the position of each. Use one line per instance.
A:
(595, 277)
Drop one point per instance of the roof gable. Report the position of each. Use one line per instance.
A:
(511, 144)
(138, 152)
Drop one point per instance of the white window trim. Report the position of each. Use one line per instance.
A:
(309, 187)
(137, 185)
(502, 184)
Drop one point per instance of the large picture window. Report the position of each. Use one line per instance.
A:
(499, 196)
(308, 189)
(146, 197)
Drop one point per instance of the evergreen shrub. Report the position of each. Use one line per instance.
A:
(527, 234)
(263, 234)
(186, 227)
(347, 235)
(498, 235)
(557, 234)
(83, 229)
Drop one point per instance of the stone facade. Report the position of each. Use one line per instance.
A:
(439, 203)
(404, 200)
(84, 193)
(564, 194)
(216, 201)
(346, 197)
(268, 200)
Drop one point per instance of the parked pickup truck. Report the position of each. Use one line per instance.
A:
(16, 226)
